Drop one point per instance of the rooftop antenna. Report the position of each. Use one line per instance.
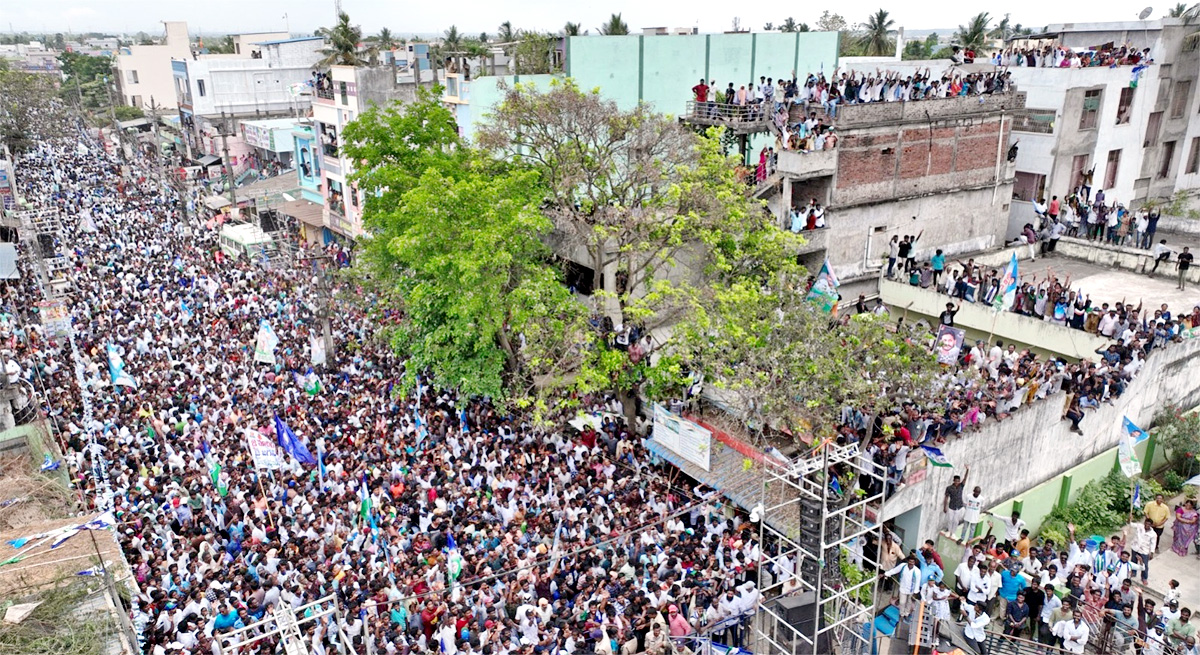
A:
(1142, 17)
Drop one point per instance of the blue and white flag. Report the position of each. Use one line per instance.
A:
(1008, 287)
(116, 369)
(264, 345)
(936, 456)
(1134, 432)
(421, 431)
(291, 444)
(185, 311)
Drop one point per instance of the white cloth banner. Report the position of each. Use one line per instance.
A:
(264, 451)
(316, 344)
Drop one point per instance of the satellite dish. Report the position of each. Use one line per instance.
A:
(1145, 13)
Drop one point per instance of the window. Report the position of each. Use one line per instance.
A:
(1029, 186)
(1183, 88)
(344, 91)
(1110, 169)
(1124, 104)
(1193, 165)
(1078, 164)
(135, 101)
(200, 87)
(1153, 125)
(1164, 166)
(1091, 109)
(1038, 121)
(131, 77)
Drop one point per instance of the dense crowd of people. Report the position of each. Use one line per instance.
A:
(439, 523)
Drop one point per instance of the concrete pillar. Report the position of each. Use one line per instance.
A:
(1148, 459)
(1064, 492)
(785, 202)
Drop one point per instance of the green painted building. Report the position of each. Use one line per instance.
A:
(658, 69)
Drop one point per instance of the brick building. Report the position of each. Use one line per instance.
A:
(935, 166)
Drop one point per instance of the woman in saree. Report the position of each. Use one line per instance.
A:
(1187, 522)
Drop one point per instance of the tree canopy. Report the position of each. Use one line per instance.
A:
(30, 109)
(690, 278)
(342, 42)
(614, 26)
(877, 34)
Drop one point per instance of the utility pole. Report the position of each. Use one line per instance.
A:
(158, 168)
(112, 112)
(324, 299)
(226, 166)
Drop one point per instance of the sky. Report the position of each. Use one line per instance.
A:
(475, 16)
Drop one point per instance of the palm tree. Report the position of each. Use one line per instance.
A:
(572, 29)
(877, 37)
(803, 27)
(615, 26)
(789, 25)
(769, 27)
(1002, 30)
(973, 35)
(386, 40)
(483, 37)
(342, 43)
(1177, 11)
(452, 38)
(506, 33)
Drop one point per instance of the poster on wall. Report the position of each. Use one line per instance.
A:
(949, 344)
(682, 437)
(55, 316)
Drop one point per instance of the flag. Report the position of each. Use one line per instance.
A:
(321, 466)
(316, 346)
(824, 290)
(186, 311)
(1134, 74)
(291, 444)
(312, 383)
(364, 496)
(454, 562)
(1128, 460)
(214, 469)
(1137, 495)
(421, 431)
(1137, 434)
(1008, 287)
(936, 456)
(116, 369)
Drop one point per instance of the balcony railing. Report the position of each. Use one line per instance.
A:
(756, 116)
(330, 150)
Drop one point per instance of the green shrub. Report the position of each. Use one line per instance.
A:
(1172, 482)
(1101, 508)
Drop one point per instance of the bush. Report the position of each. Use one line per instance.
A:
(1172, 482)
(1101, 507)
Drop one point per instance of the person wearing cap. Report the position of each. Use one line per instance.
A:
(678, 624)
(658, 641)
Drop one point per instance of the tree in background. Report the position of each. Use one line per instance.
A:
(974, 34)
(830, 22)
(572, 29)
(385, 40)
(918, 49)
(614, 26)
(1003, 29)
(877, 37)
(790, 25)
(29, 109)
(342, 42)
(223, 46)
(85, 81)
(533, 53)
(1178, 10)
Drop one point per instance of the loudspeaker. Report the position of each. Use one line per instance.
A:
(269, 220)
(801, 612)
(46, 244)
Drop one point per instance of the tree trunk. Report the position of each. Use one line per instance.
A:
(628, 399)
(597, 255)
(510, 355)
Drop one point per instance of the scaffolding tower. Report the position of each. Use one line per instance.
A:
(809, 607)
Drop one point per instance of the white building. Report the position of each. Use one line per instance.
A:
(215, 93)
(1140, 138)
(144, 71)
(341, 95)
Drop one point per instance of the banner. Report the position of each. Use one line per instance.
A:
(683, 437)
(1130, 464)
(54, 315)
(949, 344)
(1008, 287)
(824, 290)
(116, 369)
(936, 456)
(263, 450)
(264, 346)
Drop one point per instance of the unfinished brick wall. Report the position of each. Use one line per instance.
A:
(896, 161)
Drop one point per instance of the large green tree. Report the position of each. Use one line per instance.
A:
(974, 34)
(30, 109)
(459, 245)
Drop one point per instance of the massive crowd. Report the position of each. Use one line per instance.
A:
(439, 523)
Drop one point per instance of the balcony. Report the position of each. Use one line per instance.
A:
(739, 119)
(803, 165)
(323, 97)
(923, 111)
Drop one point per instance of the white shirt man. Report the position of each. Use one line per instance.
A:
(980, 588)
(1074, 633)
(976, 624)
(1142, 540)
(910, 583)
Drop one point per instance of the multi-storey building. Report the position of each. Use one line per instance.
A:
(144, 71)
(1130, 126)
